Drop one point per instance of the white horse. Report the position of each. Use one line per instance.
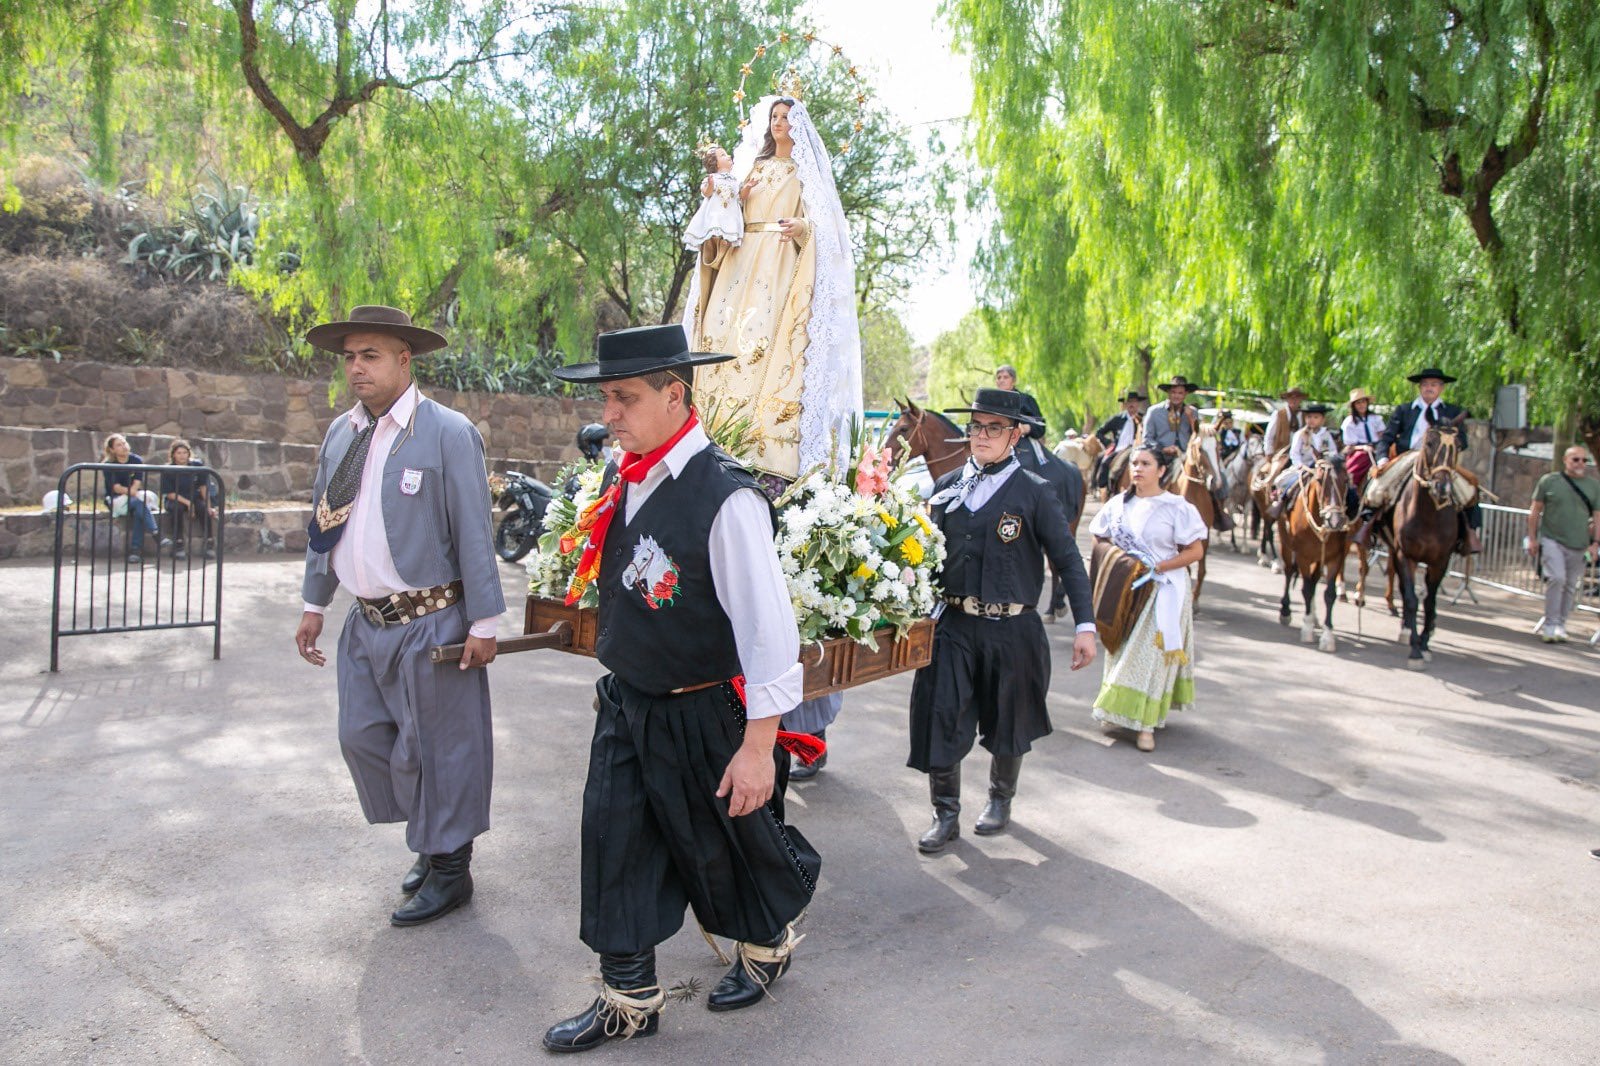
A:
(649, 566)
(1081, 452)
(1241, 467)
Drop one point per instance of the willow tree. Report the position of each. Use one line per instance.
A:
(1264, 190)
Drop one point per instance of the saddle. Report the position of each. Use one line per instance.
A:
(1267, 473)
(1117, 604)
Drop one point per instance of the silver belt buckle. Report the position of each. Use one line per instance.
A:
(994, 610)
(373, 615)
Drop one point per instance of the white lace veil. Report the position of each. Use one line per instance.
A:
(831, 399)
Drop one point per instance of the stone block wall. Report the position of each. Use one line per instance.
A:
(261, 430)
(165, 402)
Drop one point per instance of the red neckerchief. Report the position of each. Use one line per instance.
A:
(597, 516)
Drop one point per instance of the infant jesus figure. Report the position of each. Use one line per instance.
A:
(720, 217)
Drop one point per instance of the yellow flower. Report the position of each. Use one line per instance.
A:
(922, 520)
(864, 572)
(911, 548)
(888, 519)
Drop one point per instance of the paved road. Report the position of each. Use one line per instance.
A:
(1334, 860)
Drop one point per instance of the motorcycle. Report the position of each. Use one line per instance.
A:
(523, 499)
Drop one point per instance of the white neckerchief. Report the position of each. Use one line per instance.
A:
(971, 475)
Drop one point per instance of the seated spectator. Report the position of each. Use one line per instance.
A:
(188, 497)
(126, 494)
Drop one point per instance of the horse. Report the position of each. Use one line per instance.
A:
(1201, 472)
(1239, 469)
(1261, 497)
(1313, 536)
(1081, 452)
(1424, 531)
(929, 434)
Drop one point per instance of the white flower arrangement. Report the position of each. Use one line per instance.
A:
(857, 552)
(553, 564)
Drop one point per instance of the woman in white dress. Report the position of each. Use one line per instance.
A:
(1151, 674)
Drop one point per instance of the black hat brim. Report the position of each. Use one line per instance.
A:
(1187, 386)
(978, 409)
(330, 336)
(622, 369)
(1431, 372)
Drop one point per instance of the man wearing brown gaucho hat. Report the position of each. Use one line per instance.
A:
(402, 521)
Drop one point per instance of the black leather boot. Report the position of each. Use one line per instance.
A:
(415, 876)
(944, 786)
(629, 1005)
(755, 968)
(448, 886)
(1003, 771)
(801, 772)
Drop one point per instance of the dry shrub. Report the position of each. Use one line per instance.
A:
(57, 211)
(106, 312)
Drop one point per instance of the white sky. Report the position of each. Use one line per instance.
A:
(920, 79)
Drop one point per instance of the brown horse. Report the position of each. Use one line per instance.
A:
(1424, 531)
(928, 434)
(1313, 536)
(1201, 472)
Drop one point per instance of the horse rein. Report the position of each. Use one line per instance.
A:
(916, 427)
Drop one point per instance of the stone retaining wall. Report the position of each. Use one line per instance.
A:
(249, 531)
(31, 462)
(143, 401)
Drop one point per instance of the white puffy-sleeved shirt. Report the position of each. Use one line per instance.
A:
(1164, 522)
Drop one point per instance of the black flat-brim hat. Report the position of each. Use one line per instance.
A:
(1178, 382)
(375, 318)
(633, 353)
(1002, 402)
(1430, 372)
(1315, 409)
(1133, 394)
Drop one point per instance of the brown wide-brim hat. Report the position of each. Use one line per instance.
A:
(1290, 393)
(1357, 395)
(375, 318)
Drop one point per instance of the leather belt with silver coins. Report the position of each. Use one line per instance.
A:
(401, 607)
(974, 606)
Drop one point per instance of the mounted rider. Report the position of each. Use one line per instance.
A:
(1286, 422)
(1408, 427)
(1170, 426)
(1119, 433)
(1229, 438)
(1311, 442)
(1360, 432)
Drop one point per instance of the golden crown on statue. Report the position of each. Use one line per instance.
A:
(790, 84)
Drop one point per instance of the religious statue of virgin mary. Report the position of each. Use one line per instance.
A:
(783, 302)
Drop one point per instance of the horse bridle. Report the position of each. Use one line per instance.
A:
(916, 427)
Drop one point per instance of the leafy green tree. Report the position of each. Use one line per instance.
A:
(1324, 191)
(963, 361)
(890, 360)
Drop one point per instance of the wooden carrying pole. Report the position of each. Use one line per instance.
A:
(558, 635)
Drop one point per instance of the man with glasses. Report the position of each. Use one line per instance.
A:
(1563, 524)
(990, 671)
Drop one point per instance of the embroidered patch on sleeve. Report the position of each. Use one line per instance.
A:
(652, 574)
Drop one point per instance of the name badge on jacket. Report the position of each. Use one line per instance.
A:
(411, 482)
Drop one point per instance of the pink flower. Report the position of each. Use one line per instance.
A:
(872, 475)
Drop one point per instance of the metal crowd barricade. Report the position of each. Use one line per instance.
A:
(1506, 565)
(176, 585)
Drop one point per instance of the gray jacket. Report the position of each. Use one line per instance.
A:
(1157, 432)
(443, 532)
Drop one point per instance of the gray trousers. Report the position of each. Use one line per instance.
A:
(813, 716)
(1563, 570)
(416, 734)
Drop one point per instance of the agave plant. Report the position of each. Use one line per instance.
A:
(217, 233)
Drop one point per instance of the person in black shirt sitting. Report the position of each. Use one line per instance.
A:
(187, 496)
(126, 494)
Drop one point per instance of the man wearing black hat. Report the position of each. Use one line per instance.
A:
(991, 660)
(1408, 426)
(1169, 427)
(402, 521)
(1118, 434)
(684, 801)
